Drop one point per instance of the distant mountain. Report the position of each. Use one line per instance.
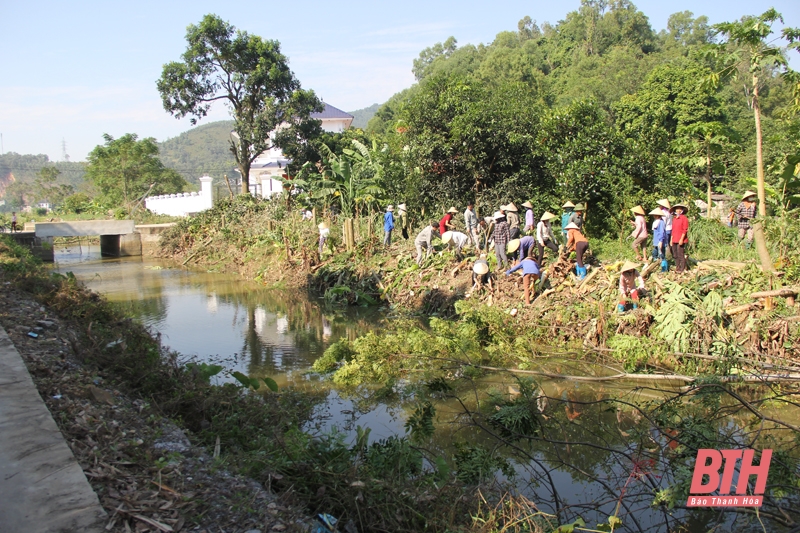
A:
(361, 116)
(200, 150)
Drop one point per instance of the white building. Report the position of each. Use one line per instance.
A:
(273, 163)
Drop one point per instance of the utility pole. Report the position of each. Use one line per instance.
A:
(64, 154)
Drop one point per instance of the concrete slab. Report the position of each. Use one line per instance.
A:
(84, 228)
(42, 486)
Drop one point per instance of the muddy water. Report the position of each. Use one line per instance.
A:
(218, 318)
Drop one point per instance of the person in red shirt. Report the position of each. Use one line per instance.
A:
(444, 223)
(680, 236)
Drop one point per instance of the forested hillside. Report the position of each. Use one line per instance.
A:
(361, 117)
(597, 108)
(19, 174)
(200, 150)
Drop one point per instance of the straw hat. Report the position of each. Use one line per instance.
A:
(629, 265)
(579, 207)
(390, 208)
(674, 207)
(452, 210)
(748, 194)
(498, 215)
(503, 207)
(511, 207)
(480, 268)
(664, 203)
(512, 246)
(323, 225)
(447, 236)
(656, 212)
(527, 204)
(572, 225)
(639, 210)
(547, 216)
(568, 204)
(401, 207)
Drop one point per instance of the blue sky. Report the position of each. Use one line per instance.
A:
(76, 70)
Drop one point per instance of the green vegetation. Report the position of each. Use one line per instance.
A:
(361, 117)
(200, 150)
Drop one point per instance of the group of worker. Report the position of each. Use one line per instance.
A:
(522, 242)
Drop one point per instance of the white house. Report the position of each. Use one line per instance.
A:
(273, 163)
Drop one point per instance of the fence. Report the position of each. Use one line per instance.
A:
(183, 204)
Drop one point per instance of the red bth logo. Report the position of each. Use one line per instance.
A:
(708, 463)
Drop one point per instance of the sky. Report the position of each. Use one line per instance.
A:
(72, 71)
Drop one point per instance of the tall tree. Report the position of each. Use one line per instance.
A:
(747, 54)
(268, 106)
(124, 170)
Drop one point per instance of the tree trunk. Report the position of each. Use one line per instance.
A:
(758, 230)
(708, 181)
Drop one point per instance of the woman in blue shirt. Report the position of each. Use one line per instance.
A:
(530, 273)
(388, 226)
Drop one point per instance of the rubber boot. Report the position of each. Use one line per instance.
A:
(664, 266)
(635, 305)
(620, 308)
(581, 272)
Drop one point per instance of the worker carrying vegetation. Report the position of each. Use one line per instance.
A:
(568, 208)
(745, 212)
(501, 236)
(424, 240)
(680, 236)
(445, 224)
(639, 233)
(631, 286)
(577, 242)
(544, 236)
(530, 273)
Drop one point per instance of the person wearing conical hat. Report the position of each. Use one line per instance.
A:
(512, 217)
(745, 213)
(544, 236)
(445, 222)
(568, 208)
(481, 275)
(471, 224)
(577, 216)
(530, 219)
(659, 238)
(455, 239)
(388, 226)
(402, 214)
(501, 236)
(631, 285)
(666, 216)
(530, 273)
(639, 233)
(424, 240)
(680, 236)
(577, 242)
(324, 232)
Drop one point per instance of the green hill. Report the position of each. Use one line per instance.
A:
(362, 116)
(200, 150)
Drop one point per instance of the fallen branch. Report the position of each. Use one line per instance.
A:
(731, 311)
(200, 249)
(783, 292)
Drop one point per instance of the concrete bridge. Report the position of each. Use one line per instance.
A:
(118, 238)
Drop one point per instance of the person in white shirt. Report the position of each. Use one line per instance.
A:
(457, 240)
(544, 236)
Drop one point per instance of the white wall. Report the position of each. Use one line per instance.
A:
(182, 204)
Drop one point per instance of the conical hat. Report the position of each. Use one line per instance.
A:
(498, 215)
(452, 210)
(390, 208)
(629, 265)
(572, 225)
(656, 212)
(677, 206)
(401, 207)
(547, 216)
(511, 207)
(748, 194)
(639, 210)
(480, 268)
(512, 246)
(503, 207)
(664, 203)
(527, 204)
(579, 207)
(568, 204)
(447, 236)
(323, 225)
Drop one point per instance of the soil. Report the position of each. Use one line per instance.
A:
(145, 470)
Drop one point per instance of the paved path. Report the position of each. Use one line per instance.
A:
(42, 486)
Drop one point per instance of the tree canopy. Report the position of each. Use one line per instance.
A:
(252, 76)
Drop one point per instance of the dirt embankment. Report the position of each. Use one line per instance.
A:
(147, 473)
